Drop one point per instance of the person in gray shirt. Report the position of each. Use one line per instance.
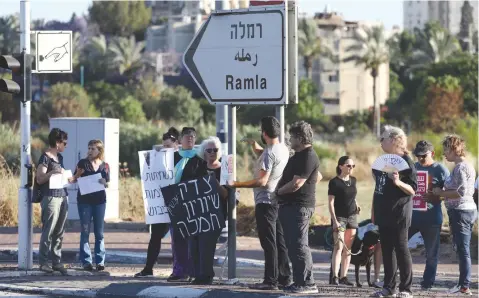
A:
(268, 171)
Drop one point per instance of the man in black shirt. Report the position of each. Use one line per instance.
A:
(296, 195)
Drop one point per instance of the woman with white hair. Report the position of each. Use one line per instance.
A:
(202, 246)
(392, 212)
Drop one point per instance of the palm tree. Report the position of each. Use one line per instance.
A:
(127, 54)
(310, 46)
(370, 51)
(433, 45)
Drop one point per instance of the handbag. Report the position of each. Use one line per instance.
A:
(37, 195)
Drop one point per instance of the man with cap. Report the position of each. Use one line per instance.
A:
(429, 222)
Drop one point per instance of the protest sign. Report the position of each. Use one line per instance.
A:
(227, 168)
(194, 206)
(157, 171)
(419, 203)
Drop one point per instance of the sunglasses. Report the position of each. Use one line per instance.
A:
(211, 150)
(421, 156)
(350, 166)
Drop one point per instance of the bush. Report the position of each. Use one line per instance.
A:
(131, 111)
(178, 104)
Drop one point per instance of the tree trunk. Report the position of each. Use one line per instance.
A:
(308, 66)
(377, 113)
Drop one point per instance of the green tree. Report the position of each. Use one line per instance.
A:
(130, 110)
(464, 67)
(434, 44)
(64, 100)
(309, 107)
(9, 34)
(401, 48)
(177, 104)
(370, 51)
(106, 97)
(310, 45)
(120, 18)
(95, 57)
(467, 20)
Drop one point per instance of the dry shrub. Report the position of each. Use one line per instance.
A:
(9, 198)
(131, 200)
(245, 220)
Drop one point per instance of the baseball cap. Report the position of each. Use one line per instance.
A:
(423, 147)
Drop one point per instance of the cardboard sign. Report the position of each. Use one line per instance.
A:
(419, 203)
(194, 206)
(227, 168)
(157, 171)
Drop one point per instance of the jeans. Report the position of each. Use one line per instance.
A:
(158, 231)
(202, 253)
(271, 237)
(54, 216)
(431, 236)
(295, 220)
(461, 222)
(89, 213)
(394, 246)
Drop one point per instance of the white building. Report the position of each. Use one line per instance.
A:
(448, 13)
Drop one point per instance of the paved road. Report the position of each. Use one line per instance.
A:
(15, 295)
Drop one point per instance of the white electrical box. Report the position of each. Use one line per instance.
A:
(80, 131)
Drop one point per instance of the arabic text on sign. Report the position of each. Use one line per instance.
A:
(247, 30)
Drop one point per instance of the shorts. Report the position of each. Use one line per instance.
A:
(349, 222)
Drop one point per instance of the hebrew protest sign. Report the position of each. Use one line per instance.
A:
(422, 186)
(227, 168)
(194, 206)
(157, 171)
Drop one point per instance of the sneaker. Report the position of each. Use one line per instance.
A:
(88, 267)
(174, 278)
(404, 295)
(100, 267)
(335, 281)
(46, 269)
(378, 284)
(60, 268)
(383, 293)
(306, 289)
(284, 285)
(143, 274)
(345, 281)
(263, 286)
(459, 290)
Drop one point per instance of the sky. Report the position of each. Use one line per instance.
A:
(387, 11)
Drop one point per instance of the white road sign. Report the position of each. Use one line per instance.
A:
(54, 51)
(240, 57)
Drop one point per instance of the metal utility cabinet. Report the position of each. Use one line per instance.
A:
(80, 132)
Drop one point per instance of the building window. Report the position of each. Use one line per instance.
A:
(333, 78)
(331, 101)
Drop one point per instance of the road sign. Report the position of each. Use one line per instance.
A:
(240, 56)
(54, 51)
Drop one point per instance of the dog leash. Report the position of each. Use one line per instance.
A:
(346, 247)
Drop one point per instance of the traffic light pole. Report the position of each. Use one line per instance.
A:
(25, 255)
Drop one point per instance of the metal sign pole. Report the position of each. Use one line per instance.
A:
(280, 116)
(232, 204)
(25, 256)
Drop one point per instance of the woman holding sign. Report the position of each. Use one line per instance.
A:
(159, 230)
(54, 202)
(92, 206)
(392, 212)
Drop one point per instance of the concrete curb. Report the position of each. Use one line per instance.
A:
(49, 291)
(126, 257)
(22, 273)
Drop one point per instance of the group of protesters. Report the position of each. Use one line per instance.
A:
(284, 187)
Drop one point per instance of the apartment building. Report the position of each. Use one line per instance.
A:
(343, 86)
(448, 13)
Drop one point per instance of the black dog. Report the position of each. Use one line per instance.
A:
(364, 258)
